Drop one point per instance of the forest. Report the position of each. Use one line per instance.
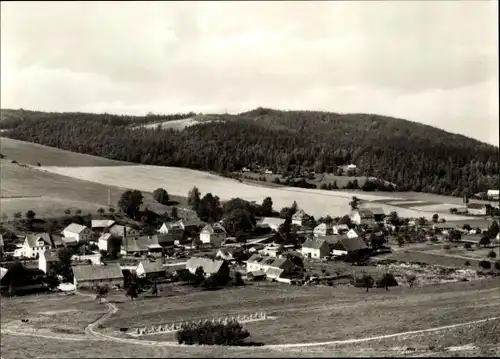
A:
(413, 156)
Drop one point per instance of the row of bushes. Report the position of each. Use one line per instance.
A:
(210, 333)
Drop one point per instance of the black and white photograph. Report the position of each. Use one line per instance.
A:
(238, 179)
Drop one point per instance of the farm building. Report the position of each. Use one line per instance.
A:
(99, 225)
(150, 270)
(190, 226)
(363, 217)
(123, 231)
(210, 267)
(493, 194)
(477, 209)
(172, 228)
(378, 213)
(299, 217)
(20, 279)
(33, 245)
(87, 276)
(273, 267)
(347, 245)
(315, 248)
(145, 244)
(47, 260)
(271, 222)
(81, 233)
(213, 234)
(103, 241)
(323, 229)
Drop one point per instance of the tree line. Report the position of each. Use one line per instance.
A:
(413, 156)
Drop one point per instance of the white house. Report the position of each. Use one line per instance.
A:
(493, 194)
(340, 229)
(33, 245)
(210, 267)
(363, 217)
(299, 217)
(273, 267)
(90, 275)
(476, 209)
(347, 245)
(272, 250)
(315, 248)
(150, 269)
(103, 240)
(47, 260)
(214, 234)
(174, 229)
(323, 229)
(81, 233)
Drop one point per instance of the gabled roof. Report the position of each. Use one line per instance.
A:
(172, 225)
(118, 228)
(476, 205)
(257, 273)
(209, 266)
(3, 271)
(279, 262)
(152, 267)
(75, 228)
(300, 214)
(135, 244)
(324, 225)
(274, 272)
(351, 244)
(190, 222)
(105, 236)
(315, 243)
(97, 272)
(102, 223)
(363, 212)
(50, 256)
(331, 240)
(57, 240)
(32, 239)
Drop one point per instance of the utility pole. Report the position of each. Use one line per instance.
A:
(109, 198)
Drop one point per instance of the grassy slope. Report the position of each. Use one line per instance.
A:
(32, 154)
(59, 192)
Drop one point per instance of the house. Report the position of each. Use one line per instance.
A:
(315, 248)
(145, 244)
(476, 209)
(378, 213)
(256, 275)
(150, 270)
(443, 227)
(190, 225)
(229, 253)
(270, 250)
(352, 233)
(33, 245)
(271, 222)
(172, 228)
(88, 276)
(346, 245)
(299, 217)
(213, 234)
(99, 225)
(363, 216)
(245, 169)
(493, 194)
(103, 240)
(19, 278)
(268, 172)
(340, 229)
(69, 241)
(273, 267)
(47, 260)
(57, 241)
(123, 231)
(323, 229)
(81, 233)
(210, 267)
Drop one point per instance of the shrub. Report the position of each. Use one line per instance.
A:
(467, 245)
(467, 263)
(492, 254)
(485, 264)
(447, 247)
(209, 333)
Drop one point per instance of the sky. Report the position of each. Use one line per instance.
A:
(434, 62)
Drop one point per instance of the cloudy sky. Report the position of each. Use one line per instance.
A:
(434, 62)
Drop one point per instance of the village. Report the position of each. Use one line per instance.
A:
(290, 247)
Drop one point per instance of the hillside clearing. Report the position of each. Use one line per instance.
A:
(179, 125)
(180, 181)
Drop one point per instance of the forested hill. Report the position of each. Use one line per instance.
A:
(414, 156)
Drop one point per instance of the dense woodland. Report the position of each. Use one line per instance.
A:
(415, 157)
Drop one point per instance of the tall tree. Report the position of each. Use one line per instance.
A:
(267, 206)
(160, 195)
(130, 202)
(194, 198)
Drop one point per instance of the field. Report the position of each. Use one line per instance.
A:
(179, 125)
(48, 194)
(304, 315)
(32, 154)
(180, 180)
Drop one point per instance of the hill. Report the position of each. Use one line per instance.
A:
(415, 157)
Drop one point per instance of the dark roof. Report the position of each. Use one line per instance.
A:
(300, 214)
(33, 238)
(364, 212)
(351, 244)
(97, 272)
(315, 243)
(256, 273)
(376, 210)
(331, 240)
(153, 267)
(51, 256)
(476, 205)
(75, 228)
